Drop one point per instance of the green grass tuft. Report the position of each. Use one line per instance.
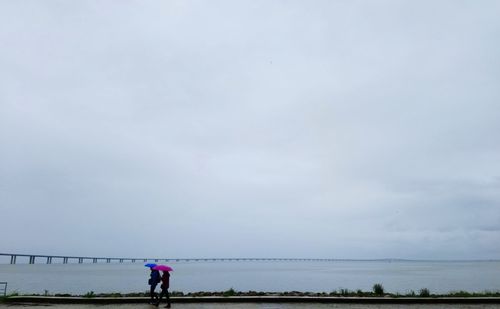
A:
(424, 292)
(378, 289)
(230, 292)
(89, 294)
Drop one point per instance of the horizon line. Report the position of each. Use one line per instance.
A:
(251, 258)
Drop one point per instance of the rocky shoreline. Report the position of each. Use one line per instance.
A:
(424, 293)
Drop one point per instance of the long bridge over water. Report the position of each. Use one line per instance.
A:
(48, 259)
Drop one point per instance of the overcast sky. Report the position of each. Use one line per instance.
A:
(325, 129)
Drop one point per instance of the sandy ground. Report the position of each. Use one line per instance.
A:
(251, 306)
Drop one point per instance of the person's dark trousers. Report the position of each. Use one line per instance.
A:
(152, 293)
(164, 292)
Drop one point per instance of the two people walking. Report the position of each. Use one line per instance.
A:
(165, 284)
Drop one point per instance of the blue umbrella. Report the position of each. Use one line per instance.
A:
(150, 265)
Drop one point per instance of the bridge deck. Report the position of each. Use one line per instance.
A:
(48, 259)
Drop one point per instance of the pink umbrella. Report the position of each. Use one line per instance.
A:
(163, 268)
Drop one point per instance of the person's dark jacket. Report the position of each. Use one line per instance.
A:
(165, 280)
(155, 277)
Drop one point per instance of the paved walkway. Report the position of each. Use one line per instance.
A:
(253, 306)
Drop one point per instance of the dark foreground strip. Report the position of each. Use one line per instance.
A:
(258, 299)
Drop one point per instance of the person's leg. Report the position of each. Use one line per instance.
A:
(152, 293)
(168, 298)
(161, 296)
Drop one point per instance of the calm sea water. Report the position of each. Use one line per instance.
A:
(401, 276)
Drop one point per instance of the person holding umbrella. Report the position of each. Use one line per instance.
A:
(153, 282)
(165, 283)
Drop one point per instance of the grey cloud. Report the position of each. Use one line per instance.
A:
(325, 129)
